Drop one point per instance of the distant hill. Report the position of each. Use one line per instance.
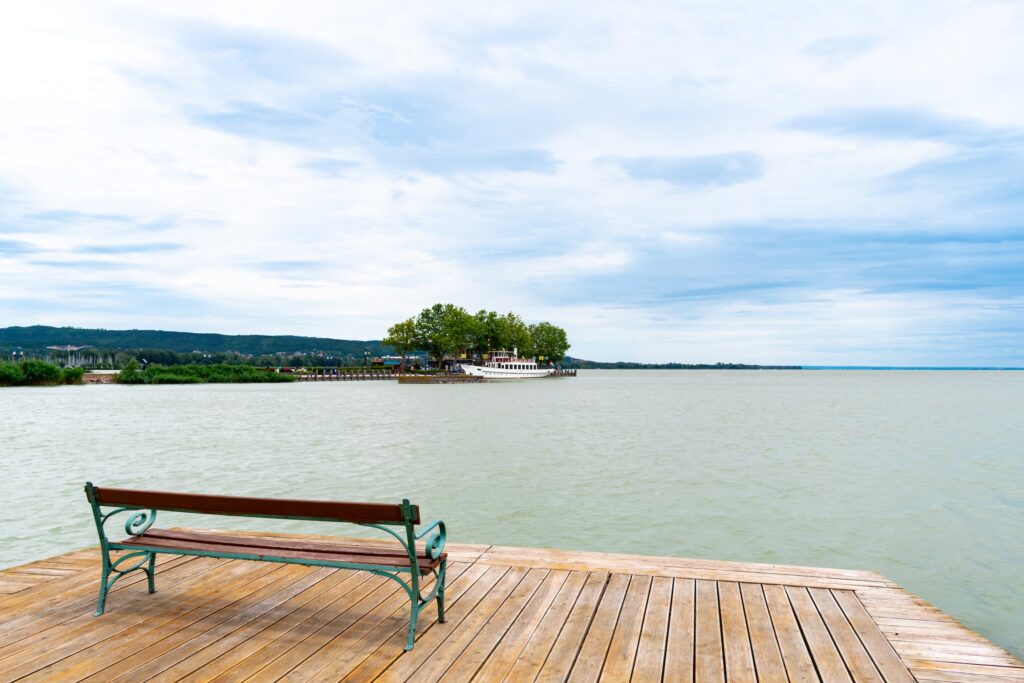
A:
(38, 337)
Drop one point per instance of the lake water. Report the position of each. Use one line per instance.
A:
(918, 475)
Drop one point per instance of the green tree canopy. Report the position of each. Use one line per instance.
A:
(443, 329)
(513, 333)
(486, 331)
(402, 336)
(550, 341)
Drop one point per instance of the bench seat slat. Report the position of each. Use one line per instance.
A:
(286, 544)
(396, 559)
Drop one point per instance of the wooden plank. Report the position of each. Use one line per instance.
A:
(885, 658)
(143, 608)
(763, 642)
(38, 570)
(12, 584)
(513, 644)
(615, 564)
(338, 635)
(857, 659)
(390, 649)
(795, 655)
(946, 653)
(239, 552)
(461, 552)
(626, 639)
(169, 626)
(356, 604)
(99, 630)
(242, 643)
(680, 655)
(626, 561)
(590, 660)
(533, 655)
(479, 649)
(709, 657)
(921, 667)
(739, 659)
(163, 667)
(58, 626)
(34, 600)
(300, 629)
(440, 647)
(298, 543)
(563, 654)
(826, 656)
(384, 625)
(650, 654)
(148, 659)
(956, 677)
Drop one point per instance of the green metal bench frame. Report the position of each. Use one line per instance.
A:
(137, 524)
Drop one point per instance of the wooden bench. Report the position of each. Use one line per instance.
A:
(144, 542)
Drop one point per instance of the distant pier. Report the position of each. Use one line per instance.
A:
(336, 375)
(440, 379)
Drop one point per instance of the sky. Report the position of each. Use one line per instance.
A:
(805, 183)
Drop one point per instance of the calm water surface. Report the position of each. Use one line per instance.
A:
(918, 475)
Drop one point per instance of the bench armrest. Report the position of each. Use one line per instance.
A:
(434, 546)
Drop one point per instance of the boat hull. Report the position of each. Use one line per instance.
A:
(505, 373)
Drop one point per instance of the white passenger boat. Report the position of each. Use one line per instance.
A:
(505, 365)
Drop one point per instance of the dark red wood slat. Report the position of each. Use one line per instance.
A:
(275, 543)
(396, 560)
(360, 513)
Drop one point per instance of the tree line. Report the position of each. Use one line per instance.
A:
(134, 373)
(31, 372)
(446, 329)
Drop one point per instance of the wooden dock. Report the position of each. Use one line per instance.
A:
(515, 614)
(334, 375)
(440, 379)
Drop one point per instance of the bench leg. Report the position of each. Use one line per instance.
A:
(151, 573)
(110, 569)
(440, 592)
(101, 603)
(414, 615)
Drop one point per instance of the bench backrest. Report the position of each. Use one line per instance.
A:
(279, 508)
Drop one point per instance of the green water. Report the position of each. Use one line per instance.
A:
(917, 475)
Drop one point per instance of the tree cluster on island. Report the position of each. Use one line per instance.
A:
(446, 329)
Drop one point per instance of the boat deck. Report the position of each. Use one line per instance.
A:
(516, 614)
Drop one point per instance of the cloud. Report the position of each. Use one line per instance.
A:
(713, 170)
(142, 248)
(14, 248)
(329, 168)
(981, 179)
(450, 160)
(838, 50)
(263, 54)
(250, 119)
(80, 264)
(905, 124)
(66, 216)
